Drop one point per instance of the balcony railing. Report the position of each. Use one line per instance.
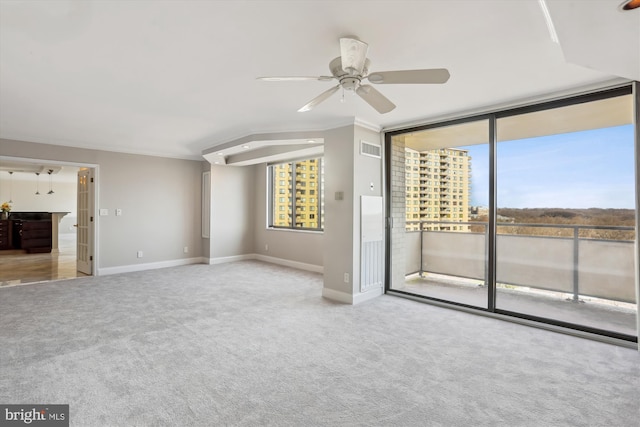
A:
(600, 268)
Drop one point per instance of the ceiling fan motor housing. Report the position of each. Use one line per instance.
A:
(350, 83)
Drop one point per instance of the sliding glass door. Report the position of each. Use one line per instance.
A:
(528, 212)
(445, 205)
(566, 214)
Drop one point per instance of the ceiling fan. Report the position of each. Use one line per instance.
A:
(352, 67)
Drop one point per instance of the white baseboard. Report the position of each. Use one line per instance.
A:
(273, 260)
(288, 263)
(148, 266)
(202, 260)
(234, 258)
(366, 296)
(346, 298)
(338, 296)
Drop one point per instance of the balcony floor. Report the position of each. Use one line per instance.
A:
(592, 312)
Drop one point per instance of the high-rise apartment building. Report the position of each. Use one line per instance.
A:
(297, 200)
(438, 187)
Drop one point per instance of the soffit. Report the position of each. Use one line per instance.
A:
(603, 113)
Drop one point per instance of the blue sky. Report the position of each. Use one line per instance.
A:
(592, 168)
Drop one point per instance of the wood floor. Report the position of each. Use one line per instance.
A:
(17, 267)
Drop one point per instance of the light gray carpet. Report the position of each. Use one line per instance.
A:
(250, 343)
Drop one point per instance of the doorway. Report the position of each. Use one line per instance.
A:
(58, 193)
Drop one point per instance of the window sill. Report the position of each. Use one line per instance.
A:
(295, 230)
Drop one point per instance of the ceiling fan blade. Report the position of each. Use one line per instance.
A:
(318, 99)
(354, 55)
(429, 76)
(375, 99)
(294, 78)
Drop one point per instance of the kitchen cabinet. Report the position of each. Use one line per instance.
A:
(5, 234)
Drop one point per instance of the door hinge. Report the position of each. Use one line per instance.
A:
(91, 179)
(91, 258)
(91, 219)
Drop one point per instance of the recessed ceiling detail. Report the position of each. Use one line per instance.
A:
(259, 149)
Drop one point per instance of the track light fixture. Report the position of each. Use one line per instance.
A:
(37, 183)
(50, 182)
(10, 186)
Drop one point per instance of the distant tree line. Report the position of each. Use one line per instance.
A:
(560, 216)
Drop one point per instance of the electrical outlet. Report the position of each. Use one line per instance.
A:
(118, 212)
(266, 247)
(185, 249)
(139, 254)
(346, 277)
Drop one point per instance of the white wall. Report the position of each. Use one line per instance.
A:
(366, 171)
(24, 187)
(352, 174)
(338, 218)
(232, 211)
(160, 199)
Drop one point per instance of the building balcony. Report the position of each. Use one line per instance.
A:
(571, 278)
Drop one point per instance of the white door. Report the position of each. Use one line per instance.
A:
(84, 240)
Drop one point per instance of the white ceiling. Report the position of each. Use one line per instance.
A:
(174, 78)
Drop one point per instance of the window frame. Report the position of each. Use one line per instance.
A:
(272, 195)
(493, 114)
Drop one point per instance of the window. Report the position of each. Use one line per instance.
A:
(289, 195)
(544, 197)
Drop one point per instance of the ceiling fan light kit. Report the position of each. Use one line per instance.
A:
(352, 67)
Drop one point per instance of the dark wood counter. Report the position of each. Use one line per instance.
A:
(31, 231)
(5, 234)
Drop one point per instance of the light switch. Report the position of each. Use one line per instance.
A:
(104, 212)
